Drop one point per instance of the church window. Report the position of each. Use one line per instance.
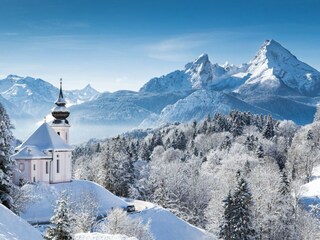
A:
(57, 155)
(34, 167)
(34, 179)
(58, 170)
(21, 167)
(47, 167)
(58, 133)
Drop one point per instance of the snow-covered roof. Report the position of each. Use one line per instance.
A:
(30, 152)
(45, 138)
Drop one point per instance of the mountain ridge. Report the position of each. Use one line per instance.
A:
(273, 82)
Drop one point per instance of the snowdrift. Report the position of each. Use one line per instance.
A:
(13, 227)
(42, 208)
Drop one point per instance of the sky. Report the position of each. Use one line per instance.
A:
(121, 44)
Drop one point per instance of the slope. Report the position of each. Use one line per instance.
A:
(164, 225)
(13, 227)
(198, 105)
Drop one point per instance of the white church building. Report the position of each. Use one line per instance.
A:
(46, 155)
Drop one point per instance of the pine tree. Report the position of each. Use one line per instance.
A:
(226, 228)
(226, 144)
(285, 209)
(237, 222)
(260, 151)
(6, 140)
(61, 221)
(242, 217)
(268, 130)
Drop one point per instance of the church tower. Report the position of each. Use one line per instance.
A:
(60, 113)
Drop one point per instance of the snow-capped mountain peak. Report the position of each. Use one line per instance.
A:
(201, 71)
(13, 77)
(275, 68)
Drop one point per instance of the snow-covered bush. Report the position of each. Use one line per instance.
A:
(118, 222)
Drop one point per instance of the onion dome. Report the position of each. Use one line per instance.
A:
(60, 112)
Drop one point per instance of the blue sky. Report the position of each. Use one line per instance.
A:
(121, 44)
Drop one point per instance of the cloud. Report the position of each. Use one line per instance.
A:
(176, 48)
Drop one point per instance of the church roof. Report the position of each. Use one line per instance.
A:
(45, 138)
(30, 152)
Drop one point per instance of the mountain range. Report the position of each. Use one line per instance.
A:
(274, 82)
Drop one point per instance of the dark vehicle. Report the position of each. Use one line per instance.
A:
(130, 208)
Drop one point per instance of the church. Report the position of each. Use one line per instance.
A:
(46, 155)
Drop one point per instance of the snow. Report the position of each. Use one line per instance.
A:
(198, 105)
(41, 210)
(165, 225)
(45, 138)
(274, 65)
(310, 192)
(312, 189)
(13, 227)
(30, 152)
(102, 236)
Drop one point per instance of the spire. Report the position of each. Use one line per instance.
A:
(60, 112)
(60, 101)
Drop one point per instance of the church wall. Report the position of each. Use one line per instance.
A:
(38, 170)
(64, 174)
(23, 171)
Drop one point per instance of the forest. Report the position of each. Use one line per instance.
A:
(239, 176)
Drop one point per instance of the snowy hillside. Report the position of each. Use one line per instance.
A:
(310, 192)
(164, 225)
(41, 210)
(123, 107)
(13, 227)
(102, 236)
(198, 105)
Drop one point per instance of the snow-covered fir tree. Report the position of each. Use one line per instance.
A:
(238, 218)
(6, 141)
(61, 220)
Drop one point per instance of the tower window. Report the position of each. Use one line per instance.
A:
(58, 170)
(34, 179)
(34, 167)
(58, 133)
(47, 167)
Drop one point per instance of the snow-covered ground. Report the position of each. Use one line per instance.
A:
(13, 227)
(164, 225)
(41, 209)
(312, 189)
(101, 236)
(310, 192)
